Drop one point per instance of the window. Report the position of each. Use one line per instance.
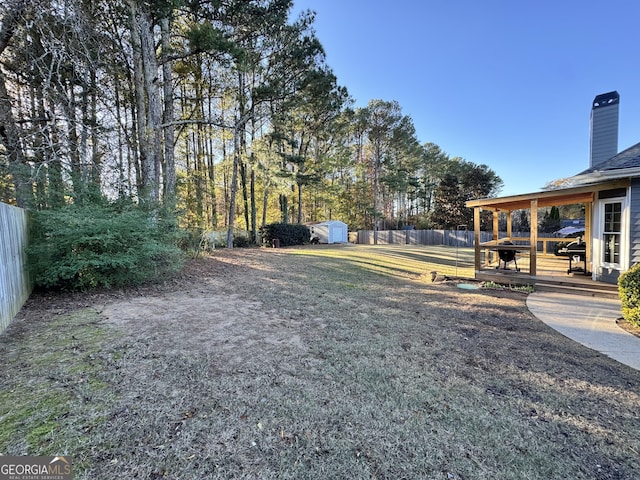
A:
(611, 232)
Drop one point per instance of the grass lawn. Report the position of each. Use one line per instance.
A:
(406, 261)
(313, 363)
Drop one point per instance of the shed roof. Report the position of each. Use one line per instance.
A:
(327, 222)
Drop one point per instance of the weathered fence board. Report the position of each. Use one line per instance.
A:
(14, 281)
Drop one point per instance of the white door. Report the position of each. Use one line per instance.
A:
(610, 238)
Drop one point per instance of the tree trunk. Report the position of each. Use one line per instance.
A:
(198, 157)
(139, 113)
(211, 182)
(73, 143)
(83, 141)
(56, 182)
(284, 207)
(245, 193)
(121, 144)
(265, 202)
(13, 15)
(10, 137)
(299, 204)
(253, 234)
(168, 114)
(152, 88)
(133, 138)
(148, 103)
(234, 187)
(211, 164)
(239, 148)
(96, 155)
(375, 194)
(40, 180)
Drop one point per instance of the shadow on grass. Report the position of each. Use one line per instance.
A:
(400, 260)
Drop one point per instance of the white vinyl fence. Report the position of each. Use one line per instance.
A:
(14, 281)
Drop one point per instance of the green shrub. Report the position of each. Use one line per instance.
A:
(288, 234)
(241, 241)
(190, 241)
(87, 246)
(629, 291)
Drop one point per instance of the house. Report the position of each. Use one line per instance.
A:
(610, 191)
(330, 231)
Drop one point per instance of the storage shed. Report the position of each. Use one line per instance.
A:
(331, 231)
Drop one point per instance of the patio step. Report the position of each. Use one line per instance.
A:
(568, 284)
(600, 290)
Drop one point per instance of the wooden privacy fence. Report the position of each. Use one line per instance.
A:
(451, 238)
(14, 280)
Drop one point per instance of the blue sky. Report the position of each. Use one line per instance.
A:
(506, 83)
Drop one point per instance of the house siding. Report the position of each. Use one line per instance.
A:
(634, 223)
(604, 128)
(605, 141)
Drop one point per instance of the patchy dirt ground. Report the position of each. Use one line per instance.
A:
(267, 364)
(629, 327)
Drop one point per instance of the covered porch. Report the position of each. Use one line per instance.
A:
(551, 276)
(534, 253)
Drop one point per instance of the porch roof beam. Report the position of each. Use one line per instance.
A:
(565, 196)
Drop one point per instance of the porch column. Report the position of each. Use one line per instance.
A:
(509, 229)
(476, 238)
(496, 234)
(533, 237)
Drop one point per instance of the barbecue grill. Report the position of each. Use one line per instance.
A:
(577, 252)
(506, 256)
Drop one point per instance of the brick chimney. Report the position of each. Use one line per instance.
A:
(604, 128)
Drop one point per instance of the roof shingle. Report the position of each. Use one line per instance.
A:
(629, 158)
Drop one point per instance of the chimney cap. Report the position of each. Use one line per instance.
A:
(605, 99)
